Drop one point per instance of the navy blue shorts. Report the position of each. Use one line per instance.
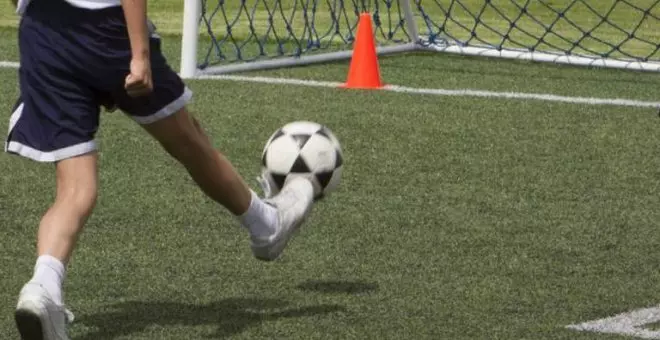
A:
(73, 62)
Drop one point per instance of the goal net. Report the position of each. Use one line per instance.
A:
(229, 36)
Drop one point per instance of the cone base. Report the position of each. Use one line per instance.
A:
(361, 87)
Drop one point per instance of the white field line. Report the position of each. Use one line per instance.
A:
(454, 93)
(429, 91)
(630, 324)
(8, 64)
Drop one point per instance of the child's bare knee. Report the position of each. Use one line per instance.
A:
(77, 187)
(80, 198)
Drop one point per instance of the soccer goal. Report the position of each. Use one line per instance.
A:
(231, 36)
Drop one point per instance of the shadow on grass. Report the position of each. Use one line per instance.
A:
(338, 287)
(232, 316)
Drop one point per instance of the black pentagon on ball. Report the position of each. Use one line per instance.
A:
(323, 131)
(299, 166)
(339, 160)
(301, 139)
(279, 180)
(324, 178)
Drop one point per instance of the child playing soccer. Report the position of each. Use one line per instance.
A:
(77, 56)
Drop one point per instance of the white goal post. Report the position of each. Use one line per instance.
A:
(222, 37)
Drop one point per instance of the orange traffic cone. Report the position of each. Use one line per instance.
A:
(364, 72)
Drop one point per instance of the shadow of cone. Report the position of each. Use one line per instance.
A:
(364, 72)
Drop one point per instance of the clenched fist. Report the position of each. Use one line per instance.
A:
(138, 82)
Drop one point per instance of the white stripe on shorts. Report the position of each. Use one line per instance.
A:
(43, 156)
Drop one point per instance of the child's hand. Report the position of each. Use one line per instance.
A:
(139, 82)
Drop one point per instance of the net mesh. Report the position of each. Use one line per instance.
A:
(245, 31)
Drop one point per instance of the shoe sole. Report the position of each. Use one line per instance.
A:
(28, 324)
(295, 228)
(285, 243)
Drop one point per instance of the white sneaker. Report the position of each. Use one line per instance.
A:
(38, 317)
(293, 205)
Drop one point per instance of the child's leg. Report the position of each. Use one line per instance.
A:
(75, 199)
(54, 122)
(163, 114)
(183, 138)
(62, 223)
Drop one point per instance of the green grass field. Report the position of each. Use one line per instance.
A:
(457, 217)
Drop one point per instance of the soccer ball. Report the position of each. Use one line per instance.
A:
(304, 149)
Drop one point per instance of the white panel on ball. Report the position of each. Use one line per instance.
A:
(301, 127)
(319, 153)
(326, 132)
(281, 153)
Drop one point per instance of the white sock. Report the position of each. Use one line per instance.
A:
(50, 273)
(260, 218)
